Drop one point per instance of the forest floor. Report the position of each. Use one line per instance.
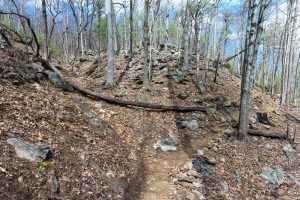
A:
(105, 151)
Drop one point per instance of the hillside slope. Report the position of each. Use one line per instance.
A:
(105, 151)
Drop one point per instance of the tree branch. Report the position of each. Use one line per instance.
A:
(120, 102)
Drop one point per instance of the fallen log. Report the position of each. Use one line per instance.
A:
(292, 118)
(120, 102)
(267, 135)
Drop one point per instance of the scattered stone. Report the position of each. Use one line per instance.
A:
(29, 151)
(220, 100)
(54, 78)
(169, 144)
(183, 124)
(37, 86)
(197, 184)
(200, 152)
(227, 103)
(193, 173)
(288, 148)
(3, 170)
(268, 146)
(227, 131)
(183, 95)
(201, 166)
(188, 165)
(198, 101)
(253, 126)
(39, 68)
(267, 127)
(210, 160)
(120, 94)
(112, 113)
(225, 186)
(211, 112)
(252, 120)
(93, 119)
(277, 112)
(275, 176)
(215, 149)
(193, 125)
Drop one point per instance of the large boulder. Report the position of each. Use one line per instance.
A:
(31, 152)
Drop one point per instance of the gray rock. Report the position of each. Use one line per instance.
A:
(268, 146)
(183, 124)
(198, 101)
(201, 166)
(227, 103)
(225, 186)
(200, 152)
(220, 100)
(120, 94)
(39, 68)
(211, 112)
(193, 125)
(37, 86)
(168, 144)
(275, 176)
(183, 95)
(288, 148)
(93, 119)
(252, 120)
(29, 151)
(54, 78)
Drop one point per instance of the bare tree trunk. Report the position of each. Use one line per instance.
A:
(256, 28)
(131, 29)
(110, 48)
(185, 64)
(146, 43)
(44, 14)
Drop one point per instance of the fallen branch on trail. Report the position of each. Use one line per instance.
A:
(120, 102)
(292, 118)
(267, 135)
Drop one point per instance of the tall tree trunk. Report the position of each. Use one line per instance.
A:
(256, 29)
(185, 41)
(146, 43)
(44, 15)
(110, 48)
(131, 29)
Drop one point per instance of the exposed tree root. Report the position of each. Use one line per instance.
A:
(120, 102)
(267, 135)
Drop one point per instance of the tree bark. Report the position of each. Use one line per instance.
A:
(146, 44)
(45, 28)
(110, 48)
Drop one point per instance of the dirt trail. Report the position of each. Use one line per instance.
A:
(157, 165)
